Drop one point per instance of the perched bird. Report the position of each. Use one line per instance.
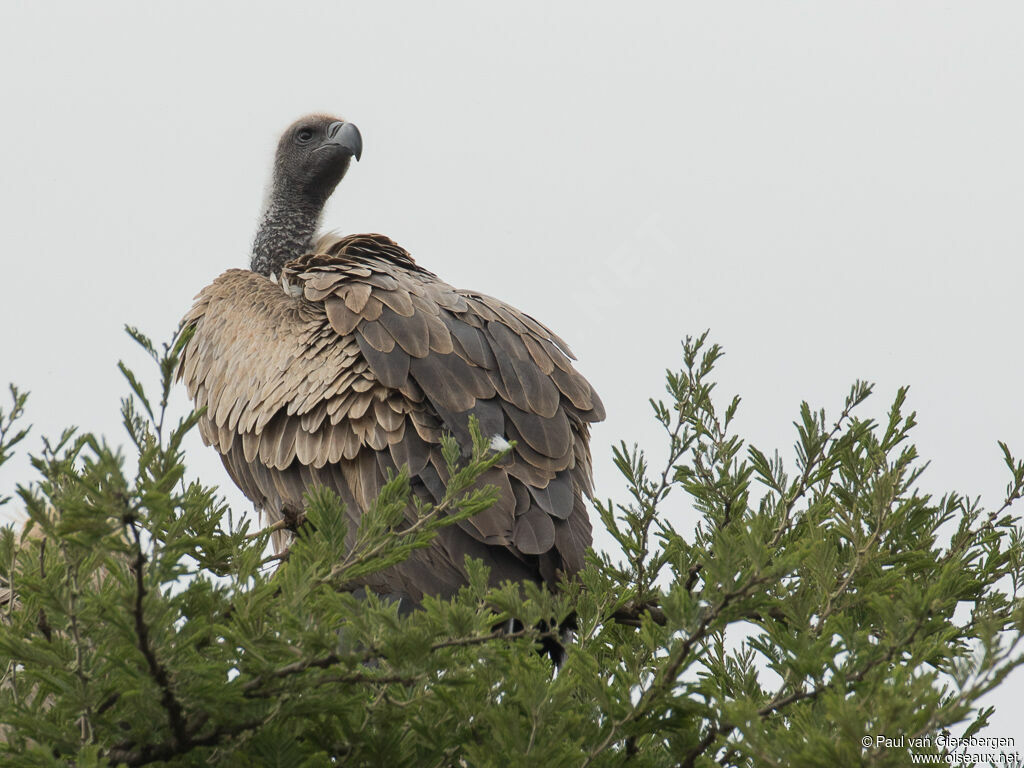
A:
(333, 361)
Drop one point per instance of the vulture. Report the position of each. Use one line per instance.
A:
(334, 361)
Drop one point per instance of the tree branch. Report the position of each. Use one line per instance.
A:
(168, 700)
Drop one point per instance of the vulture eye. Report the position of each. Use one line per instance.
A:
(304, 135)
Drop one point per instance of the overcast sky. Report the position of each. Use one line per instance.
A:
(834, 189)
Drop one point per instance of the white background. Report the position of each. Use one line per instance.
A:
(835, 189)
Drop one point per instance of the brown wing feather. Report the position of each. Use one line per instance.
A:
(534, 532)
(363, 373)
(411, 332)
(391, 368)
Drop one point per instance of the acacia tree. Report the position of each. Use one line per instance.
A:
(813, 604)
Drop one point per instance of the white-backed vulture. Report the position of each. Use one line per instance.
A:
(335, 360)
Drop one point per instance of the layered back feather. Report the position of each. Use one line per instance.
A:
(354, 364)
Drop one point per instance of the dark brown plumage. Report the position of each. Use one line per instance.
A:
(353, 360)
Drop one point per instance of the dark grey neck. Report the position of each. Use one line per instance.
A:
(286, 231)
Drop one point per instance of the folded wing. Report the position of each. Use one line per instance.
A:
(360, 368)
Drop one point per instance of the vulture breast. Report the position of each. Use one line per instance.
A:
(359, 368)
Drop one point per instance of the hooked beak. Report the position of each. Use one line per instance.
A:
(345, 136)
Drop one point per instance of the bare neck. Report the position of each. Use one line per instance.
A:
(285, 232)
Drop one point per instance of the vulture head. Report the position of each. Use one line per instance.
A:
(313, 155)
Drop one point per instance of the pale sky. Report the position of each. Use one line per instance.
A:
(834, 189)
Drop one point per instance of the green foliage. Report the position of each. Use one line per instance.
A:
(8, 436)
(760, 612)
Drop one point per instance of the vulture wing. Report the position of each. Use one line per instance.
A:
(360, 367)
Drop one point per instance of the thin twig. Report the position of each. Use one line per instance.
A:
(670, 671)
(175, 712)
(76, 636)
(780, 702)
(372, 655)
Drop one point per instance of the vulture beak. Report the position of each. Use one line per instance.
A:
(345, 136)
